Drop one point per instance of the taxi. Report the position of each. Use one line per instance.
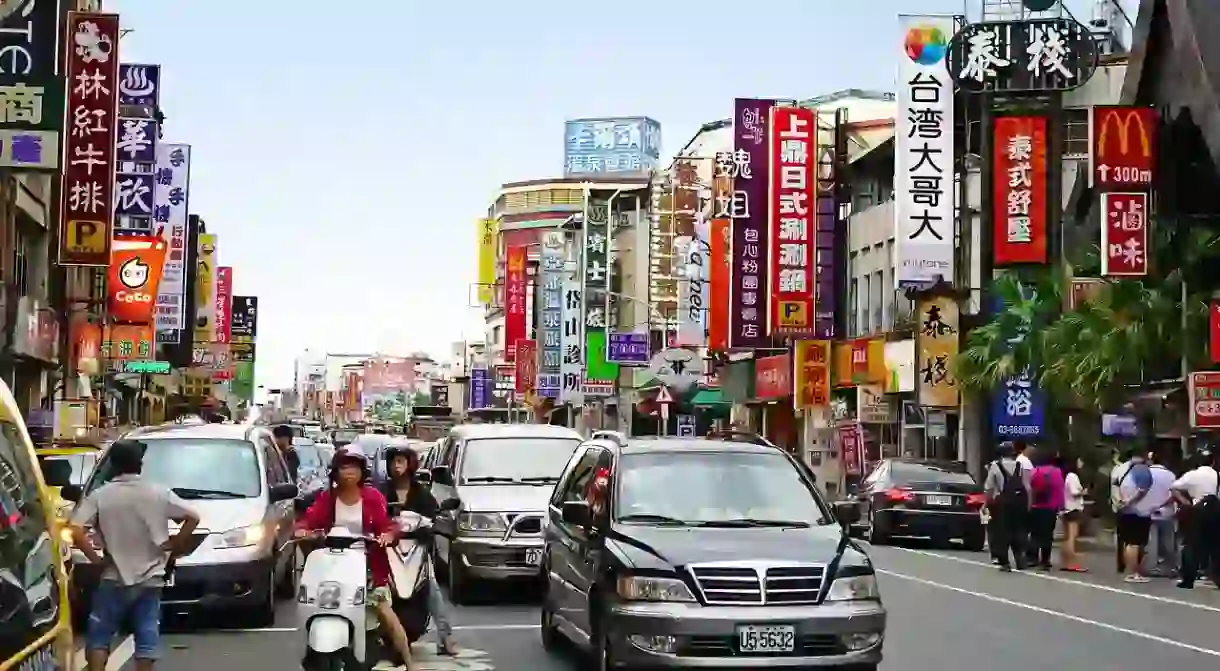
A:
(35, 626)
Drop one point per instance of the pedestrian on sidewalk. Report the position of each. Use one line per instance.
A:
(1023, 453)
(1073, 515)
(1198, 495)
(1163, 559)
(131, 517)
(1006, 487)
(1134, 509)
(1046, 500)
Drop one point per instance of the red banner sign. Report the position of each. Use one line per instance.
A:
(224, 304)
(793, 160)
(1204, 393)
(1020, 190)
(135, 273)
(719, 275)
(773, 376)
(1213, 330)
(526, 366)
(92, 82)
(1123, 152)
(1124, 234)
(514, 300)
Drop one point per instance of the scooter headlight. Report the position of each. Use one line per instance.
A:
(329, 594)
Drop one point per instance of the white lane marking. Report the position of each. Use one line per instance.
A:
(468, 627)
(118, 656)
(1047, 611)
(248, 631)
(1068, 581)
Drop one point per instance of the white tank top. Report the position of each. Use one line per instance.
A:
(350, 516)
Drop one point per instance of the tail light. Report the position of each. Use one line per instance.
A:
(898, 495)
(976, 500)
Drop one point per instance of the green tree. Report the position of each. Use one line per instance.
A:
(1008, 344)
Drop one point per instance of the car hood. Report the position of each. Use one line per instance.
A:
(497, 498)
(676, 547)
(217, 515)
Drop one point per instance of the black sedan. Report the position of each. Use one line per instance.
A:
(921, 498)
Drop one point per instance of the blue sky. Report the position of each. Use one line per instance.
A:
(343, 155)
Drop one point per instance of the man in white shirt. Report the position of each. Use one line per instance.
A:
(1020, 449)
(1197, 492)
(1162, 560)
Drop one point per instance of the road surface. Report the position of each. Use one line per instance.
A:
(948, 609)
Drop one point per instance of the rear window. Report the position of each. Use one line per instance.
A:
(76, 467)
(907, 473)
(196, 469)
(310, 459)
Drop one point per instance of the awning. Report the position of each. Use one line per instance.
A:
(709, 398)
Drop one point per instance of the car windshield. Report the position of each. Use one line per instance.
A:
(309, 456)
(81, 465)
(715, 488)
(345, 436)
(196, 468)
(516, 459)
(906, 472)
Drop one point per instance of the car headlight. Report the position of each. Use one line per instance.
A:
(854, 588)
(242, 537)
(480, 522)
(653, 588)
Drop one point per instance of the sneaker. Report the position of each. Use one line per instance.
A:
(1136, 578)
(1005, 568)
(1186, 585)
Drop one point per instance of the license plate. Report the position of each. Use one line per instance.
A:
(934, 500)
(766, 638)
(533, 557)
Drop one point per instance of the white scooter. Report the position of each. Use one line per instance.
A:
(331, 600)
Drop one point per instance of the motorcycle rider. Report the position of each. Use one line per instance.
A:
(353, 503)
(401, 486)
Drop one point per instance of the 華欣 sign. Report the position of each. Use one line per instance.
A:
(613, 146)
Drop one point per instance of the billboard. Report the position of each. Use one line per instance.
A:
(611, 146)
(1020, 190)
(792, 211)
(746, 205)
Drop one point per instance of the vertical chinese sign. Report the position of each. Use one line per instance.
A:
(87, 199)
(936, 346)
(135, 155)
(172, 178)
(572, 367)
(205, 289)
(135, 271)
(1020, 190)
(719, 274)
(1018, 408)
(599, 374)
(691, 247)
(514, 300)
(525, 371)
(243, 332)
(140, 85)
(222, 311)
(812, 372)
(31, 85)
(480, 388)
(550, 335)
(793, 156)
(489, 244)
(1124, 234)
(923, 169)
(746, 206)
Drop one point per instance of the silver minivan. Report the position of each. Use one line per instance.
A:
(236, 480)
(502, 474)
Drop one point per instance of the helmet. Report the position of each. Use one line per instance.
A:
(346, 455)
(398, 449)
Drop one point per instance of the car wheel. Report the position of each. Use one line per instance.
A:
(874, 536)
(975, 541)
(551, 638)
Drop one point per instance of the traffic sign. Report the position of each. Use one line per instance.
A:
(664, 397)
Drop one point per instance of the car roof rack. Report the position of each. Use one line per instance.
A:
(617, 437)
(740, 437)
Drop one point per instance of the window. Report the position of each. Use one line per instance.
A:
(524, 459)
(1076, 133)
(851, 307)
(908, 473)
(73, 469)
(878, 302)
(197, 468)
(574, 489)
(866, 325)
(29, 585)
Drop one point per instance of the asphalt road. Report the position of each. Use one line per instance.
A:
(948, 610)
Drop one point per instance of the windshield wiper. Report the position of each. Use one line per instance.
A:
(491, 478)
(653, 518)
(193, 493)
(542, 479)
(746, 522)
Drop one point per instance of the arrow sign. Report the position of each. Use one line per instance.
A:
(664, 397)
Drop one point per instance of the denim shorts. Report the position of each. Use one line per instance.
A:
(114, 605)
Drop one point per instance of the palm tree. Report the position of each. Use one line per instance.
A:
(1008, 344)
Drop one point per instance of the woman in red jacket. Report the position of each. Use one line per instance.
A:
(353, 503)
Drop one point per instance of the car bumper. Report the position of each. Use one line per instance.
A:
(196, 586)
(931, 523)
(705, 637)
(496, 559)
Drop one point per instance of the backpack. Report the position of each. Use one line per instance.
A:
(1042, 488)
(1013, 493)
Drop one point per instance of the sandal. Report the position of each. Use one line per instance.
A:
(1075, 568)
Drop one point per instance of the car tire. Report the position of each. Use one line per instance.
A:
(875, 537)
(263, 615)
(975, 542)
(600, 656)
(552, 640)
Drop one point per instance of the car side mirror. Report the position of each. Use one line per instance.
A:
(449, 505)
(846, 513)
(577, 513)
(424, 476)
(441, 475)
(71, 493)
(283, 492)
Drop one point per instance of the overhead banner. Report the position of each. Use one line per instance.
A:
(746, 205)
(792, 208)
(550, 333)
(515, 325)
(1123, 143)
(87, 199)
(32, 42)
(812, 372)
(1020, 186)
(205, 289)
(172, 178)
(135, 272)
(596, 293)
(923, 156)
(489, 245)
(936, 346)
(140, 85)
(1124, 234)
(223, 303)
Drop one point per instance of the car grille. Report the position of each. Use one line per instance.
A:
(813, 645)
(744, 585)
(512, 557)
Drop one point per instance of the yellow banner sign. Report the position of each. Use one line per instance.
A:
(937, 345)
(812, 368)
(489, 243)
(205, 289)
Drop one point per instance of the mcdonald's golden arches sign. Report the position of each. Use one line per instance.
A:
(1123, 147)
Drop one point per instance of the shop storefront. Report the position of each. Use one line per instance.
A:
(36, 354)
(773, 402)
